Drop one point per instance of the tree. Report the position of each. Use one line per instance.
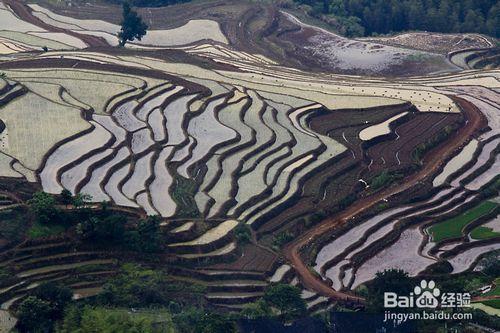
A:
(286, 299)
(491, 265)
(33, 315)
(257, 310)
(66, 197)
(111, 228)
(147, 237)
(282, 238)
(97, 319)
(493, 21)
(56, 295)
(473, 22)
(390, 280)
(108, 229)
(132, 26)
(81, 200)
(43, 205)
(242, 233)
(104, 206)
(196, 320)
(86, 229)
(326, 6)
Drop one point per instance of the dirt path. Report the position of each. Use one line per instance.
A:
(11, 195)
(432, 162)
(25, 13)
(485, 298)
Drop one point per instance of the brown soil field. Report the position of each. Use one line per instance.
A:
(253, 258)
(422, 128)
(322, 192)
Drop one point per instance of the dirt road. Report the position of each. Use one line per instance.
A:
(432, 162)
(25, 13)
(485, 298)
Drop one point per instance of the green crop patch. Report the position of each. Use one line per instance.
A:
(453, 227)
(484, 233)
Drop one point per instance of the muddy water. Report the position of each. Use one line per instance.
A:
(403, 255)
(464, 260)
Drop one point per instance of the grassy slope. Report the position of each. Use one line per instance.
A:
(453, 227)
(38, 230)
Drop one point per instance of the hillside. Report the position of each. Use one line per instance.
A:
(235, 147)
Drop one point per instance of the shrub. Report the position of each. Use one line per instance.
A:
(66, 197)
(282, 238)
(286, 299)
(33, 315)
(56, 295)
(43, 206)
(384, 179)
(394, 280)
(242, 233)
(196, 320)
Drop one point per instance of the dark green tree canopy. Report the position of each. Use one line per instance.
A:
(389, 16)
(43, 205)
(132, 26)
(33, 315)
(286, 299)
(390, 280)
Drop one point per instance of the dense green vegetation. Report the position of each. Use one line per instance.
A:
(90, 319)
(395, 280)
(286, 299)
(453, 227)
(494, 303)
(98, 226)
(484, 233)
(243, 233)
(43, 206)
(398, 281)
(38, 230)
(37, 312)
(142, 299)
(143, 287)
(368, 17)
(13, 226)
(384, 179)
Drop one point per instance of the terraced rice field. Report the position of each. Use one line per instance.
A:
(210, 137)
(453, 227)
(488, 230)
(352, 249)
(249, 150)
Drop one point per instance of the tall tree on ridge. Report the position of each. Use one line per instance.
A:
(132, 26)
